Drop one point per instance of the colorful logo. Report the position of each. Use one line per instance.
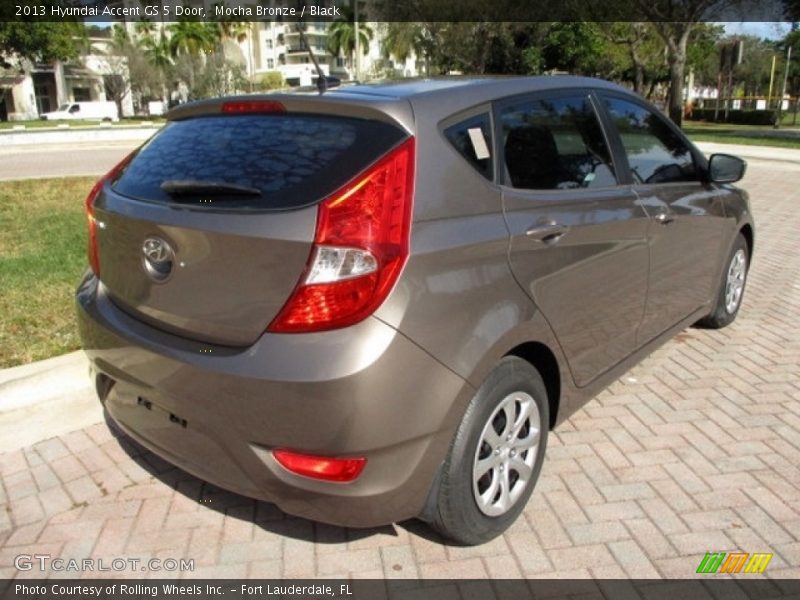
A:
(734, 562)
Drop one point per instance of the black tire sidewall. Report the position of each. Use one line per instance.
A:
(458, 515)
(720, 317)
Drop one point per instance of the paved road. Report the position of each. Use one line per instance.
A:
(694, 450)
(61, 160)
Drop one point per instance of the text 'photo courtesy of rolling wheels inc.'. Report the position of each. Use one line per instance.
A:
(402, 300)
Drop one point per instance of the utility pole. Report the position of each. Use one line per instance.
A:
(771, 81)
(783, 88)
(358, 40)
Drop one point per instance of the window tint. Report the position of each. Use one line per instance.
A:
(293, 160)
(555, 144)
(473, 140)
(656, 154)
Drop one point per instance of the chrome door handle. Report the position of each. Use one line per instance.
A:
(548, 233)
(665, 218)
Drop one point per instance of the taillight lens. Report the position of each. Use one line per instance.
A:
(360, 247)
(92, 252)
(341, 470)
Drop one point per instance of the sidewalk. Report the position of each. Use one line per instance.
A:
(750, 153)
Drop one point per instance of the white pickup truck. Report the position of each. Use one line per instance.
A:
(97, 111)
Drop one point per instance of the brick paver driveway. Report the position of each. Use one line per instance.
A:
(697, 449)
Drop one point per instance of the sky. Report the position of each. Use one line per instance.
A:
(772, 31)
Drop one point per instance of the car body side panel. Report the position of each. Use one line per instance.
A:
(591, 282)
(684, 251)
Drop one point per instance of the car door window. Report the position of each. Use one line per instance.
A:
(656, 153)
(555, 143)
(472, 138)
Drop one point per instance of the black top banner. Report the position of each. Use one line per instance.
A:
(426, 11)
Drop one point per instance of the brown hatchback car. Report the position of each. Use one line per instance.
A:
(373, 304)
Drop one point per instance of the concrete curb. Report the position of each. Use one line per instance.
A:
(68, 136)
(45, 399)
(39, 381)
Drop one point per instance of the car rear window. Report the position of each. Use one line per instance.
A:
(292, 160)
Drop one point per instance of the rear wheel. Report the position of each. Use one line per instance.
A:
(729, 296)
(496, 455)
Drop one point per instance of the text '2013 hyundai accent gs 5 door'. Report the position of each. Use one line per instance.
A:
(373, 304)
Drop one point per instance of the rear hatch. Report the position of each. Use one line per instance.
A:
(208, 229)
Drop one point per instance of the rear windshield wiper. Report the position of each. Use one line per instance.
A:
(195, 187)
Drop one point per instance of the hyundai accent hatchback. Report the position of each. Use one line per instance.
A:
(373, 304)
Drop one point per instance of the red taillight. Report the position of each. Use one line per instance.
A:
(341, 470)
(241, 107)
(360, 247)
(94, 257)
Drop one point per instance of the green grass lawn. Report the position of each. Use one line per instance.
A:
(748, 135)
(42, 255)
(76, 123)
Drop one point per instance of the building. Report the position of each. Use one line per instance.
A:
(268, 46)
(28, 90)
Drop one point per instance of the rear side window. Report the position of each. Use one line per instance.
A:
(555, 144)
(288, 161)
(472, 138)
(656, 154)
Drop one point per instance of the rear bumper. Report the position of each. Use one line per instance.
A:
(361, 391)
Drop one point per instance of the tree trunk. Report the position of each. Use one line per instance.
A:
(118, 102)
(638, 78)
(677, 68)
(675, 107)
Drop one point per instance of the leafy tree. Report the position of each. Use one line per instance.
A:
(573, 47)
(402, 39)
(219, 76)
(192, 38)
(38, 41)
(674, 22)
(189, 41)
(639, 54)
(752, 76)
(342, 35)
(116, 77)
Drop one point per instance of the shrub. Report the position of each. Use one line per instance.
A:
(739, 117)
(271, 80)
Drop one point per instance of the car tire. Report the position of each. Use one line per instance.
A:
(731, 290)
(491, 467)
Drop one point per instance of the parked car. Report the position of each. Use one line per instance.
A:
(91, 111)
(374, 304)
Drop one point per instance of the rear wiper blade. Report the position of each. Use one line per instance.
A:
(192, 187)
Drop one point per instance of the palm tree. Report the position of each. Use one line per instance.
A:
(145, 28)
(159, 55)
(342, 35)
(192, 38)
(403, 39)
(233, 30)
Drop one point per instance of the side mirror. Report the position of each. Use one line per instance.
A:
(724, 168)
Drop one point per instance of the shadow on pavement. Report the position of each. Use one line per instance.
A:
(262, 514)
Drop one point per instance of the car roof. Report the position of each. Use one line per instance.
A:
(496, 85)
(412, 103)
(440, 97)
